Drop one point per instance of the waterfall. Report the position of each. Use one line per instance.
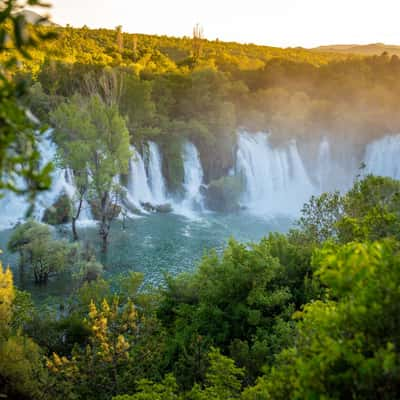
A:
(156, 179)
(13, 208)
(276, 181)
(337, 165)
(59, 184)
(85, 216)
(324, 164)
(146, 185)
(138, 185)
(275, 178)
(62, 183)
(193, 179)
(382, 157)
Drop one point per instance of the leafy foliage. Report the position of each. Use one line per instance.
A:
(20, 169)
(310, 314)
(369, 211)
(237, 303)
(40, 251)
(21, 369)
(94, 142)
(346, 344)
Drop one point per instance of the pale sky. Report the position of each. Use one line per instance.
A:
(306, 23)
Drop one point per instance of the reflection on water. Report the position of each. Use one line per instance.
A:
(158, 244)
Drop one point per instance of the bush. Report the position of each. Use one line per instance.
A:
(59, 213)
(39, 251)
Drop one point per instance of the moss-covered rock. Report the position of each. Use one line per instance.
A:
(223, 194)
(130, 207)
(59, 213)
(217, 156)
(159, 208)
(173, 169)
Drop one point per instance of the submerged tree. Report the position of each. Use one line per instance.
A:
(39, 251)
(94, 143)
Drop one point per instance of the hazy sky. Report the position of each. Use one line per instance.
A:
(276, 22)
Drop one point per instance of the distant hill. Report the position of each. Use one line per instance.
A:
(365, 50)
(32, 17)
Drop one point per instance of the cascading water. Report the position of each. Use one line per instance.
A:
(336, 166)
(276, 181)
(193, 179)
(58, 178)
(275, 178)
(156, 178)
(62, 183)
(138, 185)
(13, 208)
(146, 185)
(324, 164)
(85, 216)
(382, 157)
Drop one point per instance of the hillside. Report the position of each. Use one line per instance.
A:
(99, 46)
(172, 88)
(364, 50)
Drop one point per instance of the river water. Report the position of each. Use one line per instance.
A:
(156, 245)
(278, 180)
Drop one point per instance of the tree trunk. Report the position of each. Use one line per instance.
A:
(74, 232)
(103, 225)
(75, 218)
(21, 266)
(41, 274)
(104, 238)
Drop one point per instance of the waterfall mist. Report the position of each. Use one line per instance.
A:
(382, 157)
(277, 179)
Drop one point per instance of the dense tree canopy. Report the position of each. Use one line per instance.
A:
(313, 314)
(310, 314)
(166, 94)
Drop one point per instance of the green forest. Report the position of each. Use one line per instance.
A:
(310, 314)
(168, 89)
